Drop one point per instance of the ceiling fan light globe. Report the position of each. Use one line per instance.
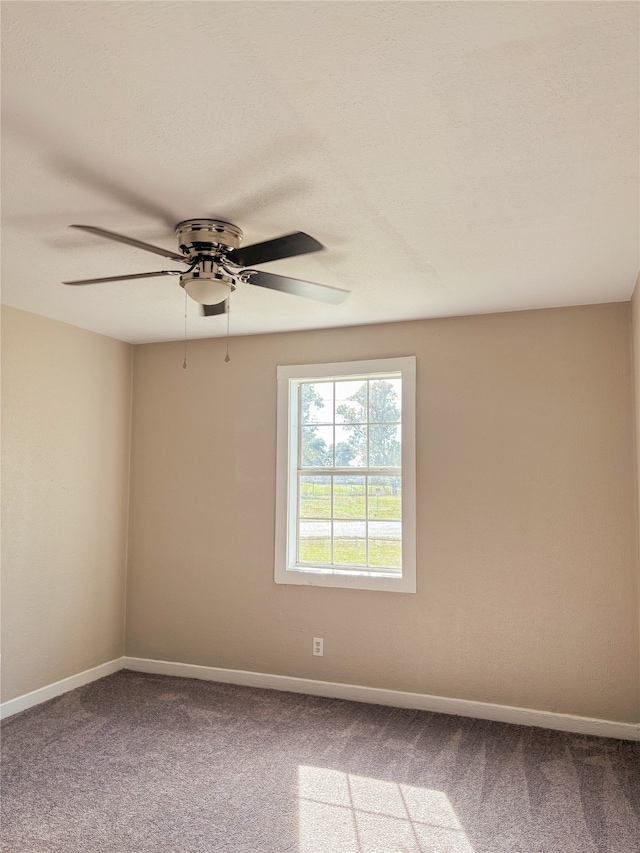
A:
(207, 290)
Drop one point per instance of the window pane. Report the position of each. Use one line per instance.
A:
(384, 446)
(317, 402)
(349, 499)
(349, 542)
(351, 446)
(315, 497)
(314, 542)
(385, 543)
(316, 446)
(385, 553)
(385, 497)
(384, 400)
(351, 402)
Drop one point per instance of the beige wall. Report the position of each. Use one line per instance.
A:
(526, 515)
(66, 406)
(635, 337)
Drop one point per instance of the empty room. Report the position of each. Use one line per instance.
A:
(320, 427)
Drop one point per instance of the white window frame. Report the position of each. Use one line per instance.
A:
(286, 569)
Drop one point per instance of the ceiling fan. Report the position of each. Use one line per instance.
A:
(216, 263)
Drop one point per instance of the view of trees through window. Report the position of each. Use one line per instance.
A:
(349, 481)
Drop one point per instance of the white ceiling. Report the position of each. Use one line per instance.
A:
(454, 158)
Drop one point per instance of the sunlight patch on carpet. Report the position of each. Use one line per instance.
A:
(358, 814)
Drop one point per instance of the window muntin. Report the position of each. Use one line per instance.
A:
(345, 502)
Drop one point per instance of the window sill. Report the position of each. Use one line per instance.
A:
(346, 579)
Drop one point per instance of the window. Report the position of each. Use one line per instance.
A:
(345, 487)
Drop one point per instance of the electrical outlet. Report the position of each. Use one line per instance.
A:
(317, 646)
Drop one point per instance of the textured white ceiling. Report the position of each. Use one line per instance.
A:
(454, 158)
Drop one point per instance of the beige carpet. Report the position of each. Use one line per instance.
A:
(154, 764)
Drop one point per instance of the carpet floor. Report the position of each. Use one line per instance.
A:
(139, 763)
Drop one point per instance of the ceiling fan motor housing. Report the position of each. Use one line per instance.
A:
(198, 237)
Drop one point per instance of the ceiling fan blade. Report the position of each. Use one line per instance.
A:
(123, 277)
(288, 246)
(44, 139)
(107, 185)
(322, 292)
(111, 235)
(212, 310)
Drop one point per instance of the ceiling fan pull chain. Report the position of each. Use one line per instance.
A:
(184, 363)
(227, 357)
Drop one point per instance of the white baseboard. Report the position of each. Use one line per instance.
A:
(28, 700)
(329, 689)
(396, 698)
